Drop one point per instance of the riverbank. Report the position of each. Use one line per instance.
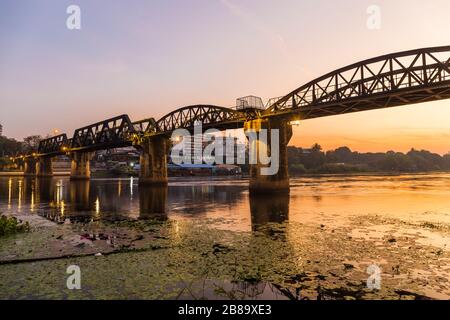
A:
(173, 260)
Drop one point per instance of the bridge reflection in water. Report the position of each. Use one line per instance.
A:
(59, 199)
(118, 199)
(269, 209)
(152, 201)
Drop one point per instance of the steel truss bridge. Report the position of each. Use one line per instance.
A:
(391, 80)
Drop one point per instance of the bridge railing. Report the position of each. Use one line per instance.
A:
(148, 125)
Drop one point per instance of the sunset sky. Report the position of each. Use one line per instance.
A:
(147, 58)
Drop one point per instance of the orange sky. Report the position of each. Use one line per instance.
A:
(424, 126)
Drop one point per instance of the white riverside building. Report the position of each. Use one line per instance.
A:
(231, 148)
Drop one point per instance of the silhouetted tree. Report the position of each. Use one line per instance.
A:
(31, 143)
(344, 160)
(9, 147)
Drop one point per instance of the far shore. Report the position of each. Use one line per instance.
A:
(20, 173)
(245, 176)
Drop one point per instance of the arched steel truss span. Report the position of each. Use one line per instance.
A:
(397, 79)
(186, 118)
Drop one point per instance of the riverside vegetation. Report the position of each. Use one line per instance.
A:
(11, 225)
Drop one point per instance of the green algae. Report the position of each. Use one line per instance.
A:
(177, 259)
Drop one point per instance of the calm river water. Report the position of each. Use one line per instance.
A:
(413, 197)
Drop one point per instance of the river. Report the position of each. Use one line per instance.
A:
(330, 227)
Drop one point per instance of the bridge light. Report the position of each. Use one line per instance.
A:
(295, 121)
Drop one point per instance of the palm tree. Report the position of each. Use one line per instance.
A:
(316, 148)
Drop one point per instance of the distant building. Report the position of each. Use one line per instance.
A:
(114, 158)
(1, 130)
(193, 145)
(306, 150)
(230, 148)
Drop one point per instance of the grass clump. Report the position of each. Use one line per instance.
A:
(11, 225)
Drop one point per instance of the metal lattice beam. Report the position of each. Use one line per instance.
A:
(186, 117)
(112, 133)
(391, 80)
(54, 145)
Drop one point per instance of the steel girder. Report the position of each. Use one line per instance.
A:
(111, 133)
(54, 145)
(387, 81)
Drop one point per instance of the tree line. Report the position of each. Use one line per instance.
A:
(343, 160)
(313, 160)
(11, 147)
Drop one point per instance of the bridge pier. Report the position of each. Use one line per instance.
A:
(81, 166)
(44, 167)
(29, 169)
(153, 161)
(278, 182)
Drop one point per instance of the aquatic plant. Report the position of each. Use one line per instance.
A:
(11, 225)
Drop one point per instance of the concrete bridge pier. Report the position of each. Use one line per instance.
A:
(44, 167)
(29, 168)
(81, 165)
(278, 182)
(153, 161)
